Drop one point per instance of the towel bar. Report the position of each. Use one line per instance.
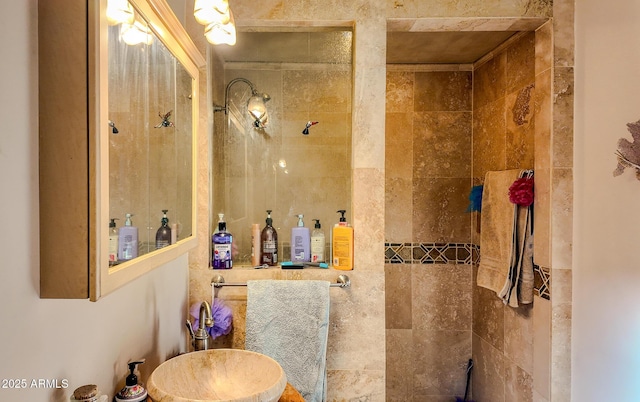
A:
(218, 282)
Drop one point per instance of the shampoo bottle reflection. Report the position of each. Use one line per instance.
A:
(269, 243)
(113, 242)
(222, 246)
(163, 235)
(342, 244)
(127, 240)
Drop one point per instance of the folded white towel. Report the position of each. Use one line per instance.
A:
(288, 320)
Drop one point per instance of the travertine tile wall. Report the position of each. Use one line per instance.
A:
(510, 96)
(428, 170)
(503, 138)
(278, 168)
(357, 368)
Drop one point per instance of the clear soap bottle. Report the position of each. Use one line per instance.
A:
(113, 242)
(317, 243)
(269, 243)
(163, 235)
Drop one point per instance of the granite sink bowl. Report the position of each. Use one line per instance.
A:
(218, 375)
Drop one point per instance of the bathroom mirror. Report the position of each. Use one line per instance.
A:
(308, 76)
(150, 140)
(118, 123)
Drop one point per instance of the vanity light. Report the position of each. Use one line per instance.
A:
(136, 33)
(211, 11)
(256, 105)
(216, 16)
(119, 12)
(221, 34)
(258, 109)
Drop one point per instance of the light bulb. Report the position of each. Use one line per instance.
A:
(119, 12)
(219, 34)
(211, 11)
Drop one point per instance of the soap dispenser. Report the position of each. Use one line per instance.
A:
(269, 243)
(342, 244)
(300, 242)
(132, 391)
(163, 235)
(317, 243)
(127, 240)
(222, 246)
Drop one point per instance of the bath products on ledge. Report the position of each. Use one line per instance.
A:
(300, 242)
(127, 240)
(342, 244)
(163, 235)
(269, 243)
(222, 246)
(317, 243)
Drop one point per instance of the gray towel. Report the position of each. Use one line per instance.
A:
(288, 320)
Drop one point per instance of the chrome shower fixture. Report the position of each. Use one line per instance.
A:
(256, 105)
(113, 127)
(309, 124)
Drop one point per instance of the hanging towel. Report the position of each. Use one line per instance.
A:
(518, 288)
(497, 234)
(288, 320)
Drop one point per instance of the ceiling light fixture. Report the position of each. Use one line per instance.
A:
(216, 16)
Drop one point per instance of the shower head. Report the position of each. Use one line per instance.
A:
(309, 124)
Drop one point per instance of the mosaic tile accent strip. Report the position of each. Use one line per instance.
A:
(431, 253)
(454, 253)
(542, 281)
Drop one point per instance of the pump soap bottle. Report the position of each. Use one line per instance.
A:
(317, 243)
(269, 243)
(132, 392)
(222, 246)
(127, 240)
(342, 244)
(300, 242)
(163, 235)
(113, 242)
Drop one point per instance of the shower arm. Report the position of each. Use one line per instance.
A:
(225, 108)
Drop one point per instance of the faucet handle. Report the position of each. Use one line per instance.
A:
(190, 328)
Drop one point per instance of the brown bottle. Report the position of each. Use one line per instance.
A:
(269, 243)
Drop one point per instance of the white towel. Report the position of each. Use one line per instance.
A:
(506, 241)
(288, 320)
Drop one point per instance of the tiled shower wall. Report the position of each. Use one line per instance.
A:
(428, 271)
(443, 134)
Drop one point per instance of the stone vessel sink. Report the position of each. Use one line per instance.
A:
(218, 375)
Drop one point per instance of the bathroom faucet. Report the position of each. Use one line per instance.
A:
(201, 336)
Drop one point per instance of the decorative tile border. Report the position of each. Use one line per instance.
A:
(454, 253)
(431, 253)
(542, 281)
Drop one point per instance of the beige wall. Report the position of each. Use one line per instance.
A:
(606, 279)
